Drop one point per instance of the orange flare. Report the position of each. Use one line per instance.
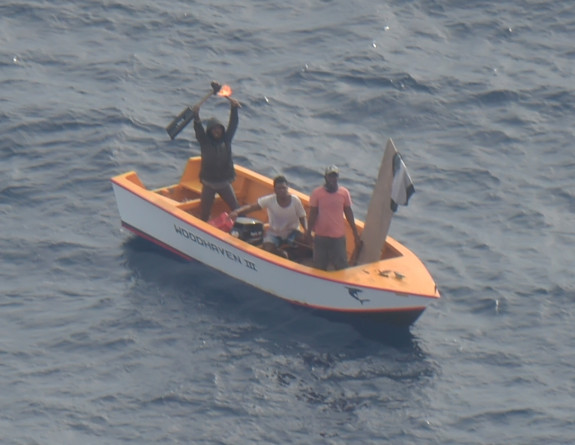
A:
(225, 91)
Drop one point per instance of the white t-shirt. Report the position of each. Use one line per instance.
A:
(283, 220)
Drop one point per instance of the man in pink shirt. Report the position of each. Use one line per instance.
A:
(328, 205)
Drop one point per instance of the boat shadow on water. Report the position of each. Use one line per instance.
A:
(237, 301)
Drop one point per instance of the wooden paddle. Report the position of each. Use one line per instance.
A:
(184, 118)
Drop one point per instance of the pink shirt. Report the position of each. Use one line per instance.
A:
(330, 218)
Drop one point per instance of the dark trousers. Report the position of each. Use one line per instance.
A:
(328, 251)
(208, 195)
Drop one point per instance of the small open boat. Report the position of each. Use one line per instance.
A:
(395, 288)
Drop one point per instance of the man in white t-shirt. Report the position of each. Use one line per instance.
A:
(285, 214)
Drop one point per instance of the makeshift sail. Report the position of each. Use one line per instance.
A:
(393, 187)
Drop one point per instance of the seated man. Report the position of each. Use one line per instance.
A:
(285, 214)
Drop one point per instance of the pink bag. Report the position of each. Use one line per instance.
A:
(222, 222)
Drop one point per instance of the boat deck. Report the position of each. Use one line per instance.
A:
(248, 186)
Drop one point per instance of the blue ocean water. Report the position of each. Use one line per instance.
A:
(106, 339)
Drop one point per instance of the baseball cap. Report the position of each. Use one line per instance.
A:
(332, 169)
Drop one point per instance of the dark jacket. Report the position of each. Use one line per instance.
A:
(217, 162)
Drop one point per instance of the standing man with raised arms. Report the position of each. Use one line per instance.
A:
(217, 171)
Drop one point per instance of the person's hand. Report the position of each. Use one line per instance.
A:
(216, 86)
(308, 237)
(196, 109)
(233, 215)
(235, 103)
